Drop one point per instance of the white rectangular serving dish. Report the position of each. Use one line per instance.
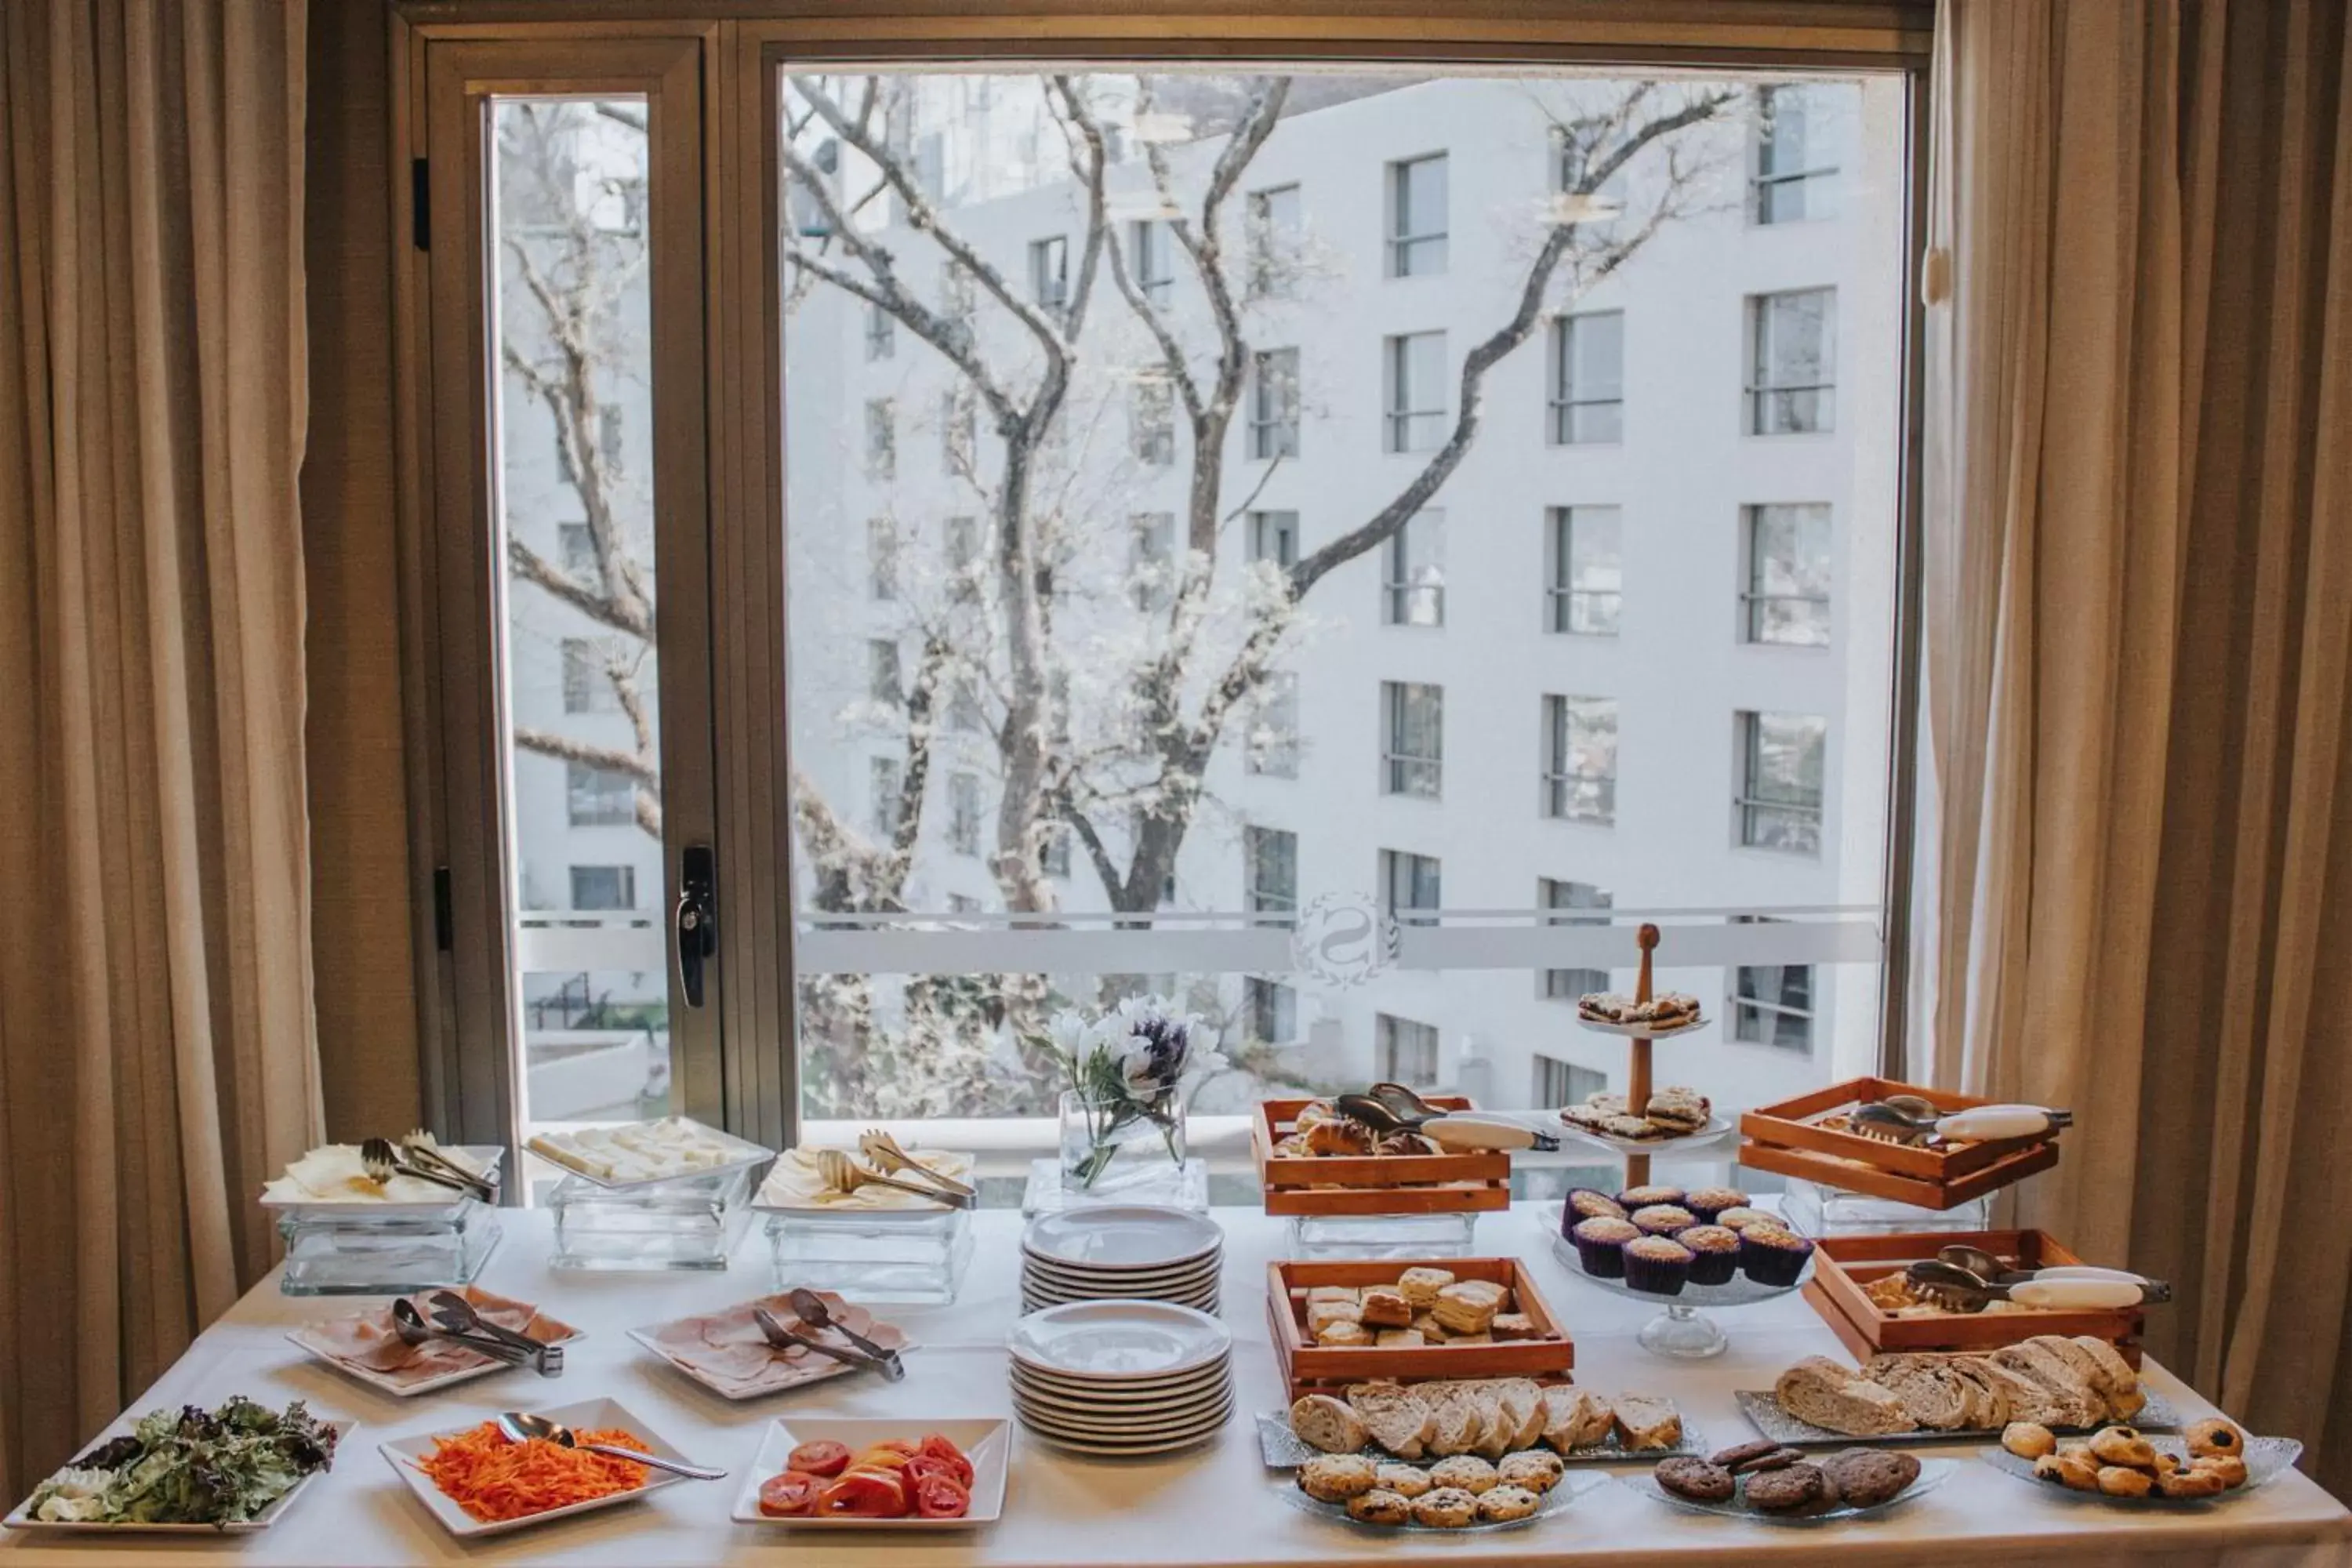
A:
(487, 1156)
(402, 1453)
(19, 1520)
(986, 1441)
(743, 1152)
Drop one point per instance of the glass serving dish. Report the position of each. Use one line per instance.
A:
(1683, 1331)
(1447, 1235)
(689, 1222)
(1812, 1209)
(347, 1253)
(898, 1255)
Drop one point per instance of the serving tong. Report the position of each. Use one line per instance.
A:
(845, 1175)
(1964, 1278)
(381, 1159)
(513, 1350)
(1392, 1107)
(811, 1310)
(887, 1156)
(516, 1426)
(1908, 1118)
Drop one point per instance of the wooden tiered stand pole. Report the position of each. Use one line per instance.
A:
(1637, 1081)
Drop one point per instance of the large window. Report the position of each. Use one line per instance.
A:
(1586, 589)
(1415, 392)
(1579, 776)
(1412, 748)
(1792, 362)
(1412, 586)
(1417, 217)
(1781, 762)
(1787, 596)
(1588, 378)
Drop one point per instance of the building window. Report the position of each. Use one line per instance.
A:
(962, 904)
(881, 560)
(1579, 779)
(1795, 163)
(1412, 586)
(882, 679)
(1414, 375)
(608, 433)
(599, 797)
(881, 333)
(1274, 404)
(1792, 362)
(1588, 378)
(963, 705)
(882, 773)
(959, 294)
(1417, 217)
(1272, 745)
(1585, 571)
(1570, 983)
(1151, 559)
(1405, 1052)
(1270, 864)
(1412, 749)
(1269, 1011)
(1273, 231)
(1274, 538)
(586, 687)
(1410, 883)
(1772, 1005)
(1152, 420)
(881, 440)
(1780, 767)
(1559, 1083)
(1049, 274)
(959, 430)
(1054, 853)
(1155, 261)
(963, 559)
(963, 813)
(1787, 596)
(577, 546)
(603, 887)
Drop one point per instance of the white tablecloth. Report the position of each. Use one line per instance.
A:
(1214, 1505)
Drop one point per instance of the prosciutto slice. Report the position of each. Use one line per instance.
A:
(368, 1341)
(725, 1350)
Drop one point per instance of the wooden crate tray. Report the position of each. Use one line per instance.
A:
(1348, 1184)
(1843, 1265)
(1307, 1367)
(1787, 1139)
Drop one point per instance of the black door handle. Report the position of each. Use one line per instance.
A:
(698, 918)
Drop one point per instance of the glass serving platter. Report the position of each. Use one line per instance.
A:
(685, 1222)
(485, 1157)
(1716, 1128)
(742, 1155)
(919, 1259)
(2267, 1459)
(1933, 1473)
(1764, 1413)
(1555, 1503)
(374, 1254)
(1683, 1330)
(1284, 1449)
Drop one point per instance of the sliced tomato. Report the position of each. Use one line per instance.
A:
(864, 1494)
(890, 1452)
(937, 1446)
(822, 1458)
(789, 1495)
(940, 1497)
(923, 1465)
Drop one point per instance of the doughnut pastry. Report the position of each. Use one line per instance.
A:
(1447, 1508)
(1381, 1506)
(2028, 1439)
(2122, 1480)
(2214, 1436)
(1502, 1504)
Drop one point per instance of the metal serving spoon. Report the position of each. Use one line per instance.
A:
(1962, 1290)
(783, 1338)
(1986, 1265)
(382, 1163)
(1461, 1131)
(883, 1150)
(420, 1150)
(844, 1175)
(452, 1311)
(1404, 1101)
(521, 1428)
(410, 1325)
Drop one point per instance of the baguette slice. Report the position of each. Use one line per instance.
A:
(1567, 1416)
(1645, 1421)
(1498, 1422)
(2125, 1396)
(1930, 1396)
(1523, 1398)
(2080, 1403)
(1819, 1390)
(1329, 1423)
(2024, 1399)
(1397, 1418)
(1458, 1425)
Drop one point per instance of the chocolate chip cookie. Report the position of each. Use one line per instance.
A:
(1739, 1454)
(1786, 1489)
(1700, 1480)
(1868, 1477)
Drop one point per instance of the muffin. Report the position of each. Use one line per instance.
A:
(1708, 1202)
(1741, 1217)
(1662, 1219)
(1770, 1255)
(1633, 1198)
(1658, 1265)
(1584, 1203)
(1601, 1246)
(1714, 1253)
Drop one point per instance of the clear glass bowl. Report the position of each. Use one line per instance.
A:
(386, 1255)
(1445, 1235)
(692, 1223)
(901, 1257)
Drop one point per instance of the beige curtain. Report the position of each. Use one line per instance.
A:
(2138, 627)
(157, 1057)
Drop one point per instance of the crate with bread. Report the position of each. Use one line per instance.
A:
(1314, 1159)
(1345, 1321)
(1907, 1142)
(1918, 1291)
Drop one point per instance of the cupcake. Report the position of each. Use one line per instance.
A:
(1633, 1198)
(1708, 1202)
(1742, 1217)
(1770, 1255)
(1714, 1253)
(1658, 1265)
(1584, 1203)
(1601, 1243)
(1662, 1219)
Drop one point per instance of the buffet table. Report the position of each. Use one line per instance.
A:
(1214, 1505)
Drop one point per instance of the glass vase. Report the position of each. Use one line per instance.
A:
(1122, 1148)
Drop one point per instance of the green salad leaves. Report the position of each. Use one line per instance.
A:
(189, 1466)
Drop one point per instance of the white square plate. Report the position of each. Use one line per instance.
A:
(402, 1454)
(20, 1519)
(986, 1441)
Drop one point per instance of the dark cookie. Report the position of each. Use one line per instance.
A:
(1696, 1480)
(1868, 1477)
(1785, 1490)
(1778, 1459)
(1739, 1454)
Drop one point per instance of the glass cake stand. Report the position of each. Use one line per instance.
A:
(1684, 1332)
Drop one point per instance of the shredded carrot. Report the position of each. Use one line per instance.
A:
(495, 1481)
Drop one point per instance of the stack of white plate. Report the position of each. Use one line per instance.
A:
(1121, 1252)
(1122, 1379)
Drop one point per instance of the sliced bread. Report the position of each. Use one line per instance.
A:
(1930, 1396)
(1458, 1426)
(1397, 1418)
(1819, 1390)
(1329, 1423)
(1645, 1421)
